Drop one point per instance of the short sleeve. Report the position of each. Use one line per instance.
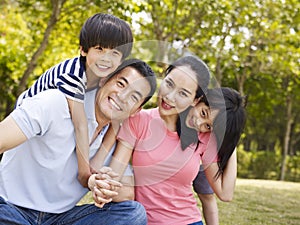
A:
(34, 115)
(72, 86)
(129, 130)
(209, 152)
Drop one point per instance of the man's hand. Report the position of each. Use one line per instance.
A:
(103, 187)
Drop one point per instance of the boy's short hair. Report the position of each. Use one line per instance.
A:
(144, 69)
(107, 31)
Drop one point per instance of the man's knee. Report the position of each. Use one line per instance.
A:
(137, 213)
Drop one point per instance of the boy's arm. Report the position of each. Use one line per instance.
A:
(82, 140)
(10, 134)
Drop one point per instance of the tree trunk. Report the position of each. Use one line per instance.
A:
(286, 136)
(56, 9)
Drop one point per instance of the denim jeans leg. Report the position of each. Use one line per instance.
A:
(122, 213)
(196, 223)
(9, 215)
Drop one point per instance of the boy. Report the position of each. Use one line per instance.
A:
(105, 41)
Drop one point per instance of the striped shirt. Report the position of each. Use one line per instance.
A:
(68, 76)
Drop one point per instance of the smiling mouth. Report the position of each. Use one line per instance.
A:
(166, 105)
(114, 104)
(191, 122)
(102, 66)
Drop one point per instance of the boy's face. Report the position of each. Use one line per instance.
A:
(100, 62)
(201, 118)
(122, 95)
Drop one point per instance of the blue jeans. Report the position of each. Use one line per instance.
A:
(127, 212)
(196, 223)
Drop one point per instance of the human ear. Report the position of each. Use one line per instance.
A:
(82, 52)
(197, 100)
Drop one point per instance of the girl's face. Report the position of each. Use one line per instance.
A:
(177, 91)
(201, 118)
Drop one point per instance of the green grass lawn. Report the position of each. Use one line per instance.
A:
(262, 202)
(258, 202)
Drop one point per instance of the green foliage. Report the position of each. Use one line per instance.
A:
(266, 165)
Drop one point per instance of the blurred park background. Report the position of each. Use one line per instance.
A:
(250, 45)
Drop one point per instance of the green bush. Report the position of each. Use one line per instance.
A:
(267, 165)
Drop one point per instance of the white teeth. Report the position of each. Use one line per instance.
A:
(114, 104)
(103, 67)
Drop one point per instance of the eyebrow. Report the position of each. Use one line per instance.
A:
(170, 79)
(137, 92)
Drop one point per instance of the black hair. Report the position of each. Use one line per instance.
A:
(187, 135)
(229, 122)
(143, 68)
(227, 126)
(107, 31)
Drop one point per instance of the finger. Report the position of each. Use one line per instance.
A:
(108, 193)
(109, 171)
(113, 174)
(102, 184)
(99, 197)
(99, 205)
(114, 183)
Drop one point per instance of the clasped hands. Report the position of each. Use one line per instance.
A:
(103, 186)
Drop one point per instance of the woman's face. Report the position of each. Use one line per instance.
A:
(177, 91)
(201, 118)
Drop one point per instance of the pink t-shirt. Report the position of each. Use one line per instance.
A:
(163, 171)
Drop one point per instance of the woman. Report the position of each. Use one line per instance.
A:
(163, 171)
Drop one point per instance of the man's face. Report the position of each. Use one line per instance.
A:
(122, 95)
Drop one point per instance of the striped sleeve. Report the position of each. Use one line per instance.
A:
(72, 86)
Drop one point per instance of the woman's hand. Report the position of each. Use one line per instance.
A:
(103, 187)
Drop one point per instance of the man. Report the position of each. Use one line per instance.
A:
(38, 172)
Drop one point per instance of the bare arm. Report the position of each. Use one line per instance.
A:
(10, 134)
(121, 158)
(224, 185)
(126, 192)
(106, 146)
(82, 140)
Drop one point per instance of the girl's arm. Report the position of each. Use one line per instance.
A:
(82, 140)
(106, 146)
(224, 184)
(10, 134)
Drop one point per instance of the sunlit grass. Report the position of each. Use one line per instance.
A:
(258, 202)
(262, 202)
